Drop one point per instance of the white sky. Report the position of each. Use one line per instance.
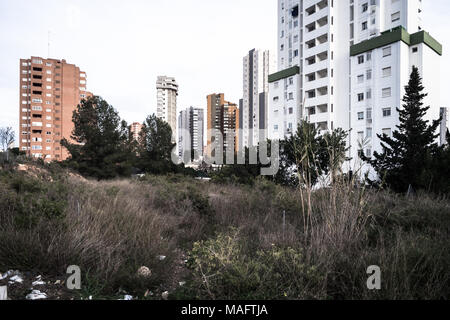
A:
(123, 45)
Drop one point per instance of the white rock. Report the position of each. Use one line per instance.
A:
(128, 297)
(165, 295)
(182, 283)
(144, 272)
(15, 279)
(90, 297)
(36, 295)
(38, 283)
(3, 293)
(9, 274)
(161, 258)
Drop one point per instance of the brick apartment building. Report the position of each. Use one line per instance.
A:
(50, 91)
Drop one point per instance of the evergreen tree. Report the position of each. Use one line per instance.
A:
(441, 169)
(407, 156)
(155, 147)
(101, 147)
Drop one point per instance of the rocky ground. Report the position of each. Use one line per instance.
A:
(33, 286)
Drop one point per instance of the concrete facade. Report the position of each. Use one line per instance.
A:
(167, 92)
(254, 104)
(191, 133)
(344, 64)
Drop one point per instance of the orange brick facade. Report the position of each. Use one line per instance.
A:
(224, 117)
(50, 91)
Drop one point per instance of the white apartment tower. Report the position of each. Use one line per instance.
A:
(167, 92)
(253, 106)
(191, 133)
(344, 63)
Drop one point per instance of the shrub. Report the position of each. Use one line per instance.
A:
(223, 269)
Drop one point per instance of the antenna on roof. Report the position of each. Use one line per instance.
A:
(48, 45)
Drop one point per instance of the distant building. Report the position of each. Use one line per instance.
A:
(253, 106)
(191, 133)
(50, 91)
(444, 126)
(223, 117)
(167, 92)
(135, 130)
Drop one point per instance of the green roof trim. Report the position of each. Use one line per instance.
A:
(396, 35)
(284, 74)
(425, 37)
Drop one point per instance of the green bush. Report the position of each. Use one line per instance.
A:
(222, 268)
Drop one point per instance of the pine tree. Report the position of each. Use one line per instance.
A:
(155, 147)
(407, 156)
(101, 141)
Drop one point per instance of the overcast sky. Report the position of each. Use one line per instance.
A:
(124, 45)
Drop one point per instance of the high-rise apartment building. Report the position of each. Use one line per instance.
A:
(50, 91)
(444, 126)
(344, 63)
(135, 130)
(254, 103)
(167, 92)
(223, 119)
(191, 133)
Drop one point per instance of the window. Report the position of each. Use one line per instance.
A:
(415, 50)
(369, 132)
(387, 131)
(387, 112)
(360, 115)
(361, 78)
(365, 7)
(360, 96)
(387, 72)
(369, 94)
(369, 74)
(386, 92)
(386, 51)
(360, 59)
(364, 26)
(275, 127)
(396, 16)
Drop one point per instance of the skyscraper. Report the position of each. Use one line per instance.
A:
(50, 91)
(253, 106)
(222, 118)
(167, 92)
(135, 130)
(190, 133)
(344, 63)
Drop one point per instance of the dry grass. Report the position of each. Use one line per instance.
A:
(110, 229)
